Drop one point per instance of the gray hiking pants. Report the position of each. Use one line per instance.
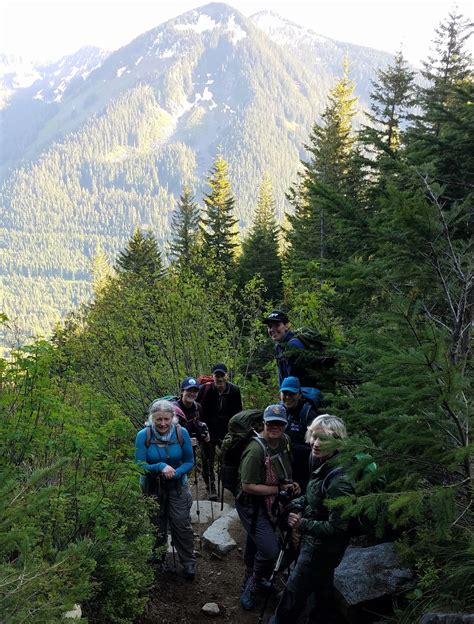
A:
(175, 502)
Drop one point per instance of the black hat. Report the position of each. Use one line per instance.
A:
(276, 316)
(219, 368)
(190, 382)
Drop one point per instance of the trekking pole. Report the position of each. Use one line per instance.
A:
(210, 487)
(220, 487)
(174, 554)
(275, 571)
(198, 512)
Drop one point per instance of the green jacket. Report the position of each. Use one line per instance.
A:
(324, 528)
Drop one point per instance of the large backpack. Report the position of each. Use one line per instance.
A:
(314, 365)
(240, 432)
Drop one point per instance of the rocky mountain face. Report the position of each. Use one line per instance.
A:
(99, 143)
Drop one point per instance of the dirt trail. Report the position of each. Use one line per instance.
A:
(174, 600)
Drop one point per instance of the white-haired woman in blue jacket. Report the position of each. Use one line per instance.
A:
(163, 449)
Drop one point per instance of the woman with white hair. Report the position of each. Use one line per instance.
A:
(323, 531)
(163, 449)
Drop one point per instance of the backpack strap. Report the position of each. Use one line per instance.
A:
(205, 392)
(149, 435)
(304, 413)
(332, 473)
(278, 456)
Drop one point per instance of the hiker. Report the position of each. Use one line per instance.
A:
(192, 411)
(264, 472)
(277, 323)
(300, 413)
(324, 533)
(220, 400)
(163, 449)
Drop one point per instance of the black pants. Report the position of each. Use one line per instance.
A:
(310, 587)
(208, 456)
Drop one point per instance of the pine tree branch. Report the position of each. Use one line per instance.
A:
(463, 513)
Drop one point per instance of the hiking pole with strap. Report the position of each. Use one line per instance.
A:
(210, 467)
(220, 487)
(275, 571)
(198, 511)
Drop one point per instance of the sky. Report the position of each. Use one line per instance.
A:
(40, 30)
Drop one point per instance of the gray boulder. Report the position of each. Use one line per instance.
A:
(217, 536)
(447, 618)
(368, 577)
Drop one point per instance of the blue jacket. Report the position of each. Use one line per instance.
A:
(154, 458)
(287, 363)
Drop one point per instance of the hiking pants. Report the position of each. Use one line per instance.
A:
(310, 586)
(175, 514)
(261, 548)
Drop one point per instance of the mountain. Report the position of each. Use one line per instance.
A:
(113, 140)
(30, 93)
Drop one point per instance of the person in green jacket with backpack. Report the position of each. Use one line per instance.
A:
(325, 534)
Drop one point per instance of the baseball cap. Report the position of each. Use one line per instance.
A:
(190, 382)
(275, 412)
(291, 384)
(277, 316)
(219, 368)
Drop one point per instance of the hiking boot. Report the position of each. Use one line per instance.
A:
(247, 597)
(190, 571)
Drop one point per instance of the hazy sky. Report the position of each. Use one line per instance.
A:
(40, 30)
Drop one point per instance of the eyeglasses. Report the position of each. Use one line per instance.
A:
(275, 423)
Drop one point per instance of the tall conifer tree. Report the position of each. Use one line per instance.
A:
(392, 99)
(218, 224)
(141, 257)
(260, 247)
(332, 149)
(185, 229)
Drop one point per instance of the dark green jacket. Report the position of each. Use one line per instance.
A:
(324, 528)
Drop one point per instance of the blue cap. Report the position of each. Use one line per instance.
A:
(275, 412)
(190, 382)
(291, 384)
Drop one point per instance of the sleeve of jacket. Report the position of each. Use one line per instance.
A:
(335, 524)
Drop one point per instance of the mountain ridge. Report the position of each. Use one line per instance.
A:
(116, 149)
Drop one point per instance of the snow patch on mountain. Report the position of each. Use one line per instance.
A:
(284, 32)
(203, 23)
(120, 71)
(237, 33)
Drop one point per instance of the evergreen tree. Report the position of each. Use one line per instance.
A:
(185, 229)
(392, 99)
(332, 149)
(260, 247)
(141, 257)
(218, 224)
(449, 65)
(102, 272)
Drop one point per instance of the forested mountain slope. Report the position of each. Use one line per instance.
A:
(113, 148)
